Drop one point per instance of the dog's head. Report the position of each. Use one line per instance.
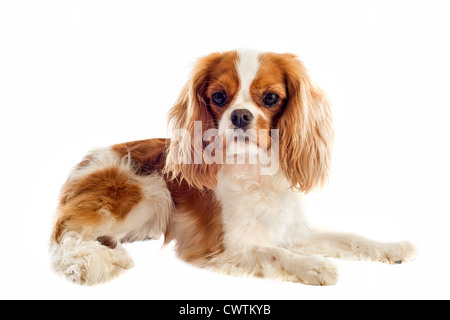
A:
(248, 92)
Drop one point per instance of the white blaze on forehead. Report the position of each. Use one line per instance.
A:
(247, 69)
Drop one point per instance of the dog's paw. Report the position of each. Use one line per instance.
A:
(320, 272)
(96, 267)
(395, 253)
(401, 252)
(88, 262)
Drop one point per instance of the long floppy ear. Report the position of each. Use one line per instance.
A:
(305, 129)
(189, 119)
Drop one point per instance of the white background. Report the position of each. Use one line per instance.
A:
(75, 75)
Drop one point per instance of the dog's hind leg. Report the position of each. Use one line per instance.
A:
(103, 203)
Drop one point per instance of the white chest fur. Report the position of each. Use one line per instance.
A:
(258, 210)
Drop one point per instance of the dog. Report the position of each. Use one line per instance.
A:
(251, 135)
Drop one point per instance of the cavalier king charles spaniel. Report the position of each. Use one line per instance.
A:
(251, 135)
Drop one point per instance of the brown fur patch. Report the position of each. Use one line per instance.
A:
(148, 155)
(108, 241)
(197, 223)
(270, 78)
(222, 77)
(103, 194)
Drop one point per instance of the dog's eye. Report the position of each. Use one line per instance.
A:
(219, 98)
(270, 99)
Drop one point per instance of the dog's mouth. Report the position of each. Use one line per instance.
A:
(241, 141)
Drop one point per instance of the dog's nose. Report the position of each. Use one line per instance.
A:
(241, 118)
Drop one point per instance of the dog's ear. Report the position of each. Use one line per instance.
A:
(189, 119)
(305, 129)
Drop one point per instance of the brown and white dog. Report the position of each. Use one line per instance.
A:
(201, 190)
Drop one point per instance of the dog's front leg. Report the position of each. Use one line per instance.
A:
(278, 263)
(355, 247)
